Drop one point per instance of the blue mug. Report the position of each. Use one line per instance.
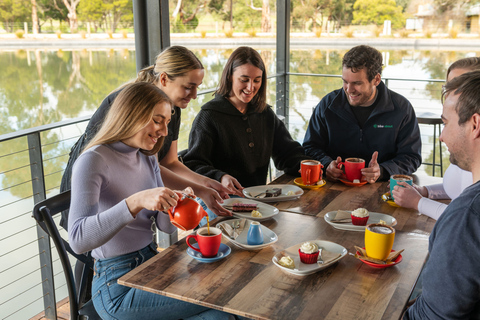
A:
(395, 178)
(255, 234)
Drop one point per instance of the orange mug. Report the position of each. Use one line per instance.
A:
(311, 171)
(187, 214)
(208, 245)
(353, 167)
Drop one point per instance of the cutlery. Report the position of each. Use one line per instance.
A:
(257, 195)
(320, 260)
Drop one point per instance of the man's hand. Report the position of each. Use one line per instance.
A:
(372, 173)
(220, 188)
(406, 195)
(333, 173)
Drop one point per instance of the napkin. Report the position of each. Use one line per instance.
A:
(229, 231)
(342, 216)
(328, 256)
(363, 255)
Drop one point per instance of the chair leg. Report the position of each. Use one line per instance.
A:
(434, 143)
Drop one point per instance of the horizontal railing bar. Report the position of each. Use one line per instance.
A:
(16, 185)
(23, 262)
(27, 165)
(52, 173)
(9, 154)
(61, 155)
(46, 127)
(26, 244)
(61, 140)
(23, 292)
(11, 314)
(20, 278)
(339, 76)
(14, 234)
(21, 199)
(17, 216)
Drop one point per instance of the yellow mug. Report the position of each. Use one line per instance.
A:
(379, 240)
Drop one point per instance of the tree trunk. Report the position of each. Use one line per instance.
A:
(266, 23)
(72, 14)
(231, 14)
(34, 17)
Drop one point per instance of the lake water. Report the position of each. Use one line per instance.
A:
(44, 86)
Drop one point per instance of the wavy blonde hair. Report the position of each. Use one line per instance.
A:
(175, 61)
(130, 112)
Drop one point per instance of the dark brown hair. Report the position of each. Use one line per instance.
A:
(361, 57)
(239, 57)
(466, 85)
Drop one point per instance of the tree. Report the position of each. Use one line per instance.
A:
(72, 13)
(377, 11)
(184, 15)
(117, 10)
(34, 17)
(15, 11)
(222, 10)
(265, 9)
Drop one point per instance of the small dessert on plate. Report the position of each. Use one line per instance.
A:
(360, 217)
(274, 192)
(287, 262)
(308, 252)
(256, 214)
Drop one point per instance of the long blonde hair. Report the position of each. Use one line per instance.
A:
(130, 112)
(175, 61)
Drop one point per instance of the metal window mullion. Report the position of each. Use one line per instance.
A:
(283, 58)
(39, 194)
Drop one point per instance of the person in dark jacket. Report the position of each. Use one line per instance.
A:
(365, 120)
(234, 136)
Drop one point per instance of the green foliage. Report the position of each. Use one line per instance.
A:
(19, 33)
(377, 11)
(15, 11)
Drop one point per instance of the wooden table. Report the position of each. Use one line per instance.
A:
(247, 283)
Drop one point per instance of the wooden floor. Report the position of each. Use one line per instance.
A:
(63, 307)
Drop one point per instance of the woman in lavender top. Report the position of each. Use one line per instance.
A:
(117, 192)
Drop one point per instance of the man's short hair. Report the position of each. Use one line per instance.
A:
(363, 56)
(467, 86)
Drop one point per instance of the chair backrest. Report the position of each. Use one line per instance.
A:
(43, 212)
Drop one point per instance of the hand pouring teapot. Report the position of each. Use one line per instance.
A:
(187, 214)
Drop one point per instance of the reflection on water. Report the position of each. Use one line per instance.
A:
(40, 87)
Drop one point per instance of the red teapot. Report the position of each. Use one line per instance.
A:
(187, 214)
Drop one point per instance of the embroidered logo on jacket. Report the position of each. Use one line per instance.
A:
(382, 126)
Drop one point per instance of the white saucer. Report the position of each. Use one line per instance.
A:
(302, 269)
(375, 217)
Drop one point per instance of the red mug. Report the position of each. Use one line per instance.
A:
(353, 167)
(208, 244)
(311, 171)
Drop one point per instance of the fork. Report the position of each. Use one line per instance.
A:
(235, 226)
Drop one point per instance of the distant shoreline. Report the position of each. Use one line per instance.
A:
(101, 41)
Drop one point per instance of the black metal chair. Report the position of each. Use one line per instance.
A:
(43, 212)
(431, 119)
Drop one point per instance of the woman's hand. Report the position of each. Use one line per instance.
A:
(232, 184)
(156, 199)
(217, 186)
(406, 195)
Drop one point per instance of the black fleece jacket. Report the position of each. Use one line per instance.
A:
(225, 141)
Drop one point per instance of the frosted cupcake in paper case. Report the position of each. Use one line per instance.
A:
(308, 252)
(360, 217)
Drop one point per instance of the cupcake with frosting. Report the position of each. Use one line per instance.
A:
(308, 252)
(360, 217)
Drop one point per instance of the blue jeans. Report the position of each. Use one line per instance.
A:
(114, 301)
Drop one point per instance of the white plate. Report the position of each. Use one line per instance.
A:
(302, 269)
(269, 237)
(375, 217)
(252, 191)
(266, 210)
